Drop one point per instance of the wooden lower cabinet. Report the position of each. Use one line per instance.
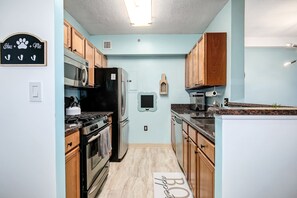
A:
(185, 153)
(193, 167)
(198, 164)
(72, 174)
(205, 175)
(72, 165)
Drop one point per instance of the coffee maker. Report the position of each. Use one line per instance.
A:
(197, 101)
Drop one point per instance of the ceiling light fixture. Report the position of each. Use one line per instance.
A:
(140, 12)
(286, 64)
(291, 45)
(289, 63)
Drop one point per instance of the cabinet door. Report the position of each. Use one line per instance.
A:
(193, 167)
(90, 57)
(185, 153)
(67, 35)
(187, 84)
(98, 58)
(190, 63)
(195, 69)
(201, 61)
(72, 174)
(104, 61)
(77, 43)
(205, 175)
(216, 58)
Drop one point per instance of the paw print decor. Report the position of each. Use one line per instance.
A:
(23, 49)
(22, 43)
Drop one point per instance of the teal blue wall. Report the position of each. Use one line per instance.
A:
(148, 69)
(231, 20)
(59, 101)
(266, 80)
(155, 44)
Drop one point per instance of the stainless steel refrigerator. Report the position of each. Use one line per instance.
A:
(110, 94)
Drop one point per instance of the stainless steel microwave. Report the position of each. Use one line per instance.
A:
(75, 70)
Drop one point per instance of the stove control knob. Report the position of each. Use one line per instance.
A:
(94, 127)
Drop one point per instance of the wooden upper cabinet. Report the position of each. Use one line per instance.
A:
(214, 59)
(78, 43)
(98, 58)
(187, 84)
(104, 61)
(67, 35)
(201, 62)
(90, 57)
(190, 66)
(209, 60)
(195, 66)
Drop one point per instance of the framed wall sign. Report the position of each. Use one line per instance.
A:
(23, 49)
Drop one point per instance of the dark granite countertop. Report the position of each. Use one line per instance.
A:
(186, 114)
(207, 130)
(71, 129)
(234, 108)
(181, 108)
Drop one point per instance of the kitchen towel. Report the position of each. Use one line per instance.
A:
(104, 143)
(170, 185)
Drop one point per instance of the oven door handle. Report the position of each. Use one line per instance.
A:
(93, 138)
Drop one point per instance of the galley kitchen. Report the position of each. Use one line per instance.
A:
(148, 98)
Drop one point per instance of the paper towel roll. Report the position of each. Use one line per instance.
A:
(211, 93)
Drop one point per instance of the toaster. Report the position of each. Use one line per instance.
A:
(197, 101)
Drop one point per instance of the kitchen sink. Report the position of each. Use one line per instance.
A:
(207, 124)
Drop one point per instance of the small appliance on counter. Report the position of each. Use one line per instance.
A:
(72, 106)
(197, 101)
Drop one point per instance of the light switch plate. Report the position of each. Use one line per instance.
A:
(35, 91)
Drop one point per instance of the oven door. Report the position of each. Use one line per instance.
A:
(95, 163)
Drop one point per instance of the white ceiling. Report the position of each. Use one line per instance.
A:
(264, 18)
(168, 16)
(271, 18)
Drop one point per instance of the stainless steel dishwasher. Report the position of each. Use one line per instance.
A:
(179, 140)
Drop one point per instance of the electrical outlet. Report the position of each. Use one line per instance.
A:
(226, 101)
(145, 128)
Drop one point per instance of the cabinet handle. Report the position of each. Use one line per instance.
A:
(69, 144)
(202, 146)
(74, 50)
(196, 152)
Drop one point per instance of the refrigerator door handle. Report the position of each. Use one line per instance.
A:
(124, 123)
(123, 98)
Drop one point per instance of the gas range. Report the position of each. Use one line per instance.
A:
(86, 121)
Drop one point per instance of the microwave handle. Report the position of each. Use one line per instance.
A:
(84, 77)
